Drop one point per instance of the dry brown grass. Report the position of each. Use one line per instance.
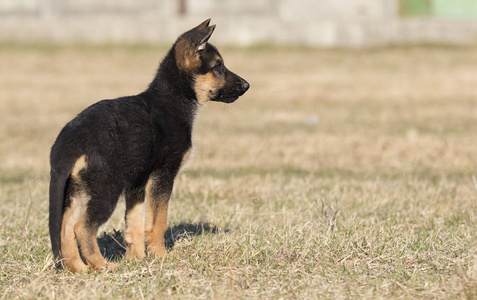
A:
(340, 174)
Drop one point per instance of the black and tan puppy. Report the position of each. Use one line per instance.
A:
(133, 146)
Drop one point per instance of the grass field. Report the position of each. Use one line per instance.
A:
(340, 174)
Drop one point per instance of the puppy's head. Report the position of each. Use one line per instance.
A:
(212, 81)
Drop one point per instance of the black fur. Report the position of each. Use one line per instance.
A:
(127, 139)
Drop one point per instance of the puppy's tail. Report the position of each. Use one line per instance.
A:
(58, 186)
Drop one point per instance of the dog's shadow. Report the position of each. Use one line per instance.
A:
(111, 244)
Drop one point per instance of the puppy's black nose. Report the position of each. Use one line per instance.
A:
(245, 86)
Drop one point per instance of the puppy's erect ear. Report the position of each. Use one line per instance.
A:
(191, 45)
(202, 25)
(202, 37)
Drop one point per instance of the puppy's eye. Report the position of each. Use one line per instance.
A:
(218, 65)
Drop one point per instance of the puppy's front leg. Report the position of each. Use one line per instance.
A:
(157, 201)
(134, 234)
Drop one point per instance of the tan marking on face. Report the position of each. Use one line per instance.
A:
(79, 165)
(156, 221)
(134, 234)
(206, 86)
(69, 250)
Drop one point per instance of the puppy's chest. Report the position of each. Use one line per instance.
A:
(175, 154)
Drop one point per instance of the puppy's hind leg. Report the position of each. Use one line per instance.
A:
(69, 250)
(76, 203)
(86, 235)
(99, 209)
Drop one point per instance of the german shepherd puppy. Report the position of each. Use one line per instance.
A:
(133, 146)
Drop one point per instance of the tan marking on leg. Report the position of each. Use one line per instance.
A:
(155, 237)
(156, 222)
(78, 166)
(150, 208)
(86, 236)
(134, 233)
(206, 86)
(69, 250)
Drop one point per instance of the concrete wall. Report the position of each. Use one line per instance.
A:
(349, 23)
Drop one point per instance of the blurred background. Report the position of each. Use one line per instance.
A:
(347, 171)
(331, 23)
